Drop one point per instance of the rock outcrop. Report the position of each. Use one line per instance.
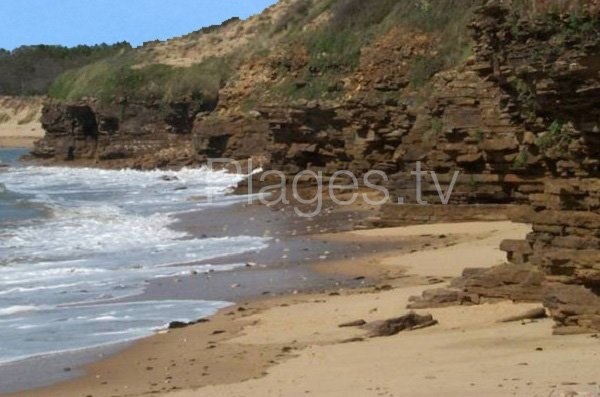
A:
(140, 135)
(548, 74)
(393, 326)
(358, 136)
(523, 283)
(469, 126)
(552, 67)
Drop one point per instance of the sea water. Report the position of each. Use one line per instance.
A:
(77, 245)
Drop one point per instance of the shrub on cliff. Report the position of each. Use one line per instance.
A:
(360, 14)
(331, 33)
(335, 48)
(555, 142)
(121, 76)
(30, 70)
(293, 15)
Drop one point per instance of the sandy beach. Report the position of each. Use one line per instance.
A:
(292, 345)
(19, 122)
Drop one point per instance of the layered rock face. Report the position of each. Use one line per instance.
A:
(358, 136)
(551, 69)
(141, 135)
(470, 126)
(520, 121)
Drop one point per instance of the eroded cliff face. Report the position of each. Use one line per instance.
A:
(542, 77)
(358, 136)
(519, 120)
(141, 135)
(552, 69)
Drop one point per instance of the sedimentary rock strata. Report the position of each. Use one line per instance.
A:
(141, 134)
(550, 80)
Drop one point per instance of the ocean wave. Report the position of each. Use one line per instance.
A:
(20, 290)
(34, 179)
(12, 310)
(6, 194)
(57, 330)
(109, 233)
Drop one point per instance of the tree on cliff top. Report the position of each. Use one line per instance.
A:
(30, 70)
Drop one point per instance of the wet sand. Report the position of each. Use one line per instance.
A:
(176, 356)
(282, 336)
(284, 268)
(292, 345)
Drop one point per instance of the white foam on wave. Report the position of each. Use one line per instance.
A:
(79, 328)
(12, 310)
(88, 230)
(60, 277)
(111, 211)
(65, 180)
(20, 290)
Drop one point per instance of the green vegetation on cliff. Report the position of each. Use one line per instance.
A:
(332, 32)
(30, 70)
(310, 48)
(119, 76)
(336, 47)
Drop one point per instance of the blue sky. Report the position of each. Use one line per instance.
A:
(72, 22)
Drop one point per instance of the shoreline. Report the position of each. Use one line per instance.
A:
(288, 304)
(236, 219)
(17, 142)
(218, 222)
(349, 281)
(258, 346)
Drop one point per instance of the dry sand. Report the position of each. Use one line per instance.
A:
(468, 354)
(292, 346)
(19, 122)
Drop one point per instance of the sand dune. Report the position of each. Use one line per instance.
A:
(19, 121)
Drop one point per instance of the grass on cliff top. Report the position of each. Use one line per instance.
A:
(334, 49)
(30, 70)
(118, 77)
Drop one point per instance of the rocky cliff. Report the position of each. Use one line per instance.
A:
(335, 74)
(518, 118)
(143, 134)
(545, 74)
(552, 67)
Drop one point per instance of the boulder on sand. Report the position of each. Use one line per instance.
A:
(410, 322)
